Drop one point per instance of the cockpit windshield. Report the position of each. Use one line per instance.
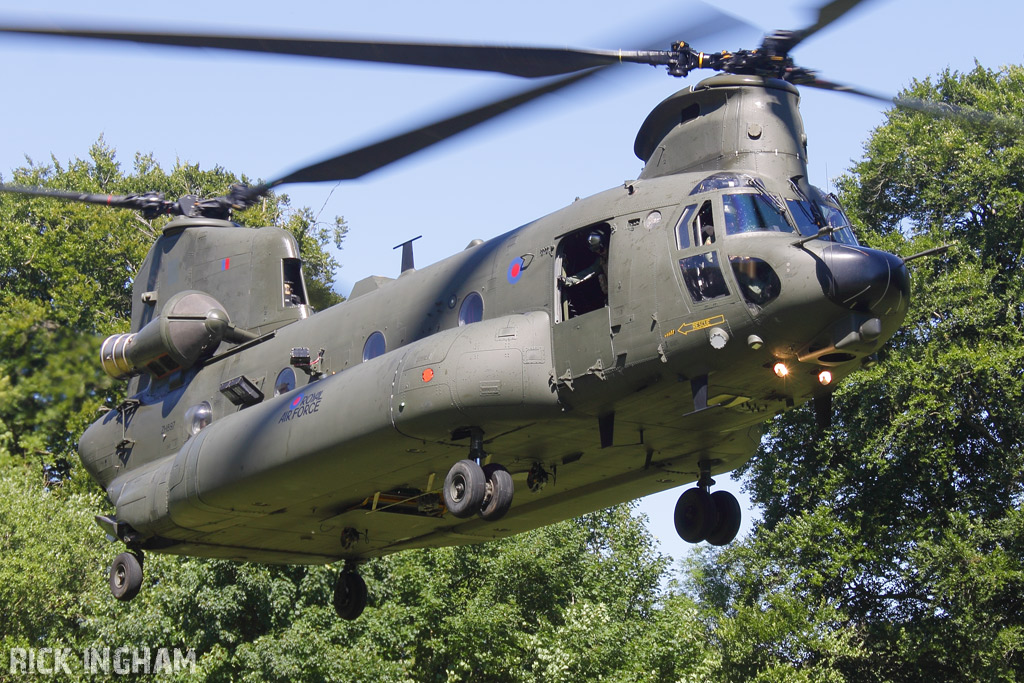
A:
(752, 213)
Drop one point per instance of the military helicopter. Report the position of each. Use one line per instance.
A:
(631, 342)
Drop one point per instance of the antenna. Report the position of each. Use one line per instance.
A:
(407, 259)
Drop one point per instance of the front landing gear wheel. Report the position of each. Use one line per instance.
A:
(126, 576)
(696, 515)
(729, 517)
(500, 488)
(464, 488)
(349, 595)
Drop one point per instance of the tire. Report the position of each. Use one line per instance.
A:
(464, 489)
(349, 595)
(695, 515)
(500, 489)
(729, 517)
(125, 576)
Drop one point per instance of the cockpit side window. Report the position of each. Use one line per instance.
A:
(752, 213)
(834, 217)
(683, 227)
(704, 225)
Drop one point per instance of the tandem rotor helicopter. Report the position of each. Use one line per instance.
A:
(631, 342)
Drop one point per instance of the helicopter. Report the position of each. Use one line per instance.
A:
(631, 342)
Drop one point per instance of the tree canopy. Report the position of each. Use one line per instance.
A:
(900, 526)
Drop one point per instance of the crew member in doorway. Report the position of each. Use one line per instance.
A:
(596, 243)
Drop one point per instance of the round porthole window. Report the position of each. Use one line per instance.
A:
(472, 309)
(375, 346)
(285, 382)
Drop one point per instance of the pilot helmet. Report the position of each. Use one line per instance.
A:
(595, 240)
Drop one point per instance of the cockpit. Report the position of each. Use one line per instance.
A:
(741, 205)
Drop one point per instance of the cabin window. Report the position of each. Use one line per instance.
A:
(293, 289)
(375, 346)
(285, 382)
(582, 274)
(472, 309)
(752, 213)
(703, 276)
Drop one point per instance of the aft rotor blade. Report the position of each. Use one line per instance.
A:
(151, 204)
(359, 162)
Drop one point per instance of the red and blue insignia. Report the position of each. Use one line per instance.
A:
(515, 270)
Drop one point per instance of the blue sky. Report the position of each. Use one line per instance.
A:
(265, 115)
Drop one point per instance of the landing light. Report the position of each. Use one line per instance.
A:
(780, 369)
(825, 377)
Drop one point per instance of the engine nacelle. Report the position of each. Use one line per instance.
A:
(192, 324)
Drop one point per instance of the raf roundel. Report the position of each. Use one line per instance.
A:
(515, 270)
(296, 402)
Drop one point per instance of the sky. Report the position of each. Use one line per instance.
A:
(265, 115)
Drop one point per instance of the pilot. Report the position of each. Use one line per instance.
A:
(596, 242)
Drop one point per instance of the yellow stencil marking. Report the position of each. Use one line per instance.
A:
(687, 328)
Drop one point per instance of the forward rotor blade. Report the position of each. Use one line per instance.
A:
(357, 163)
(527, 62)
(360, 162)
(827, 14)
(939, 110)
(822, 84)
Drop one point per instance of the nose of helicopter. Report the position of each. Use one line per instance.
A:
(866, 280)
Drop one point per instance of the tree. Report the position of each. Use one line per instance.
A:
(65, 283)
(573, 601)
(898, 530)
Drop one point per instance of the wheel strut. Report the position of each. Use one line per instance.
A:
(705, 481)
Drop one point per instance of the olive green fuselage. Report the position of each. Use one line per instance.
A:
(611, 391)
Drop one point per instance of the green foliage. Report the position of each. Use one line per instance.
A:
(66, 272)
(573, 601)
(896, 534)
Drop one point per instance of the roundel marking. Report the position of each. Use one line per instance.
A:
(515, 270)
(295, 402)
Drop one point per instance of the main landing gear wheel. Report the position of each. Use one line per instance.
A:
(349, 595)
(500, 489)
(712, 517)
(465, 488)
(729, 517)
(695, 515)
(126, 576)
